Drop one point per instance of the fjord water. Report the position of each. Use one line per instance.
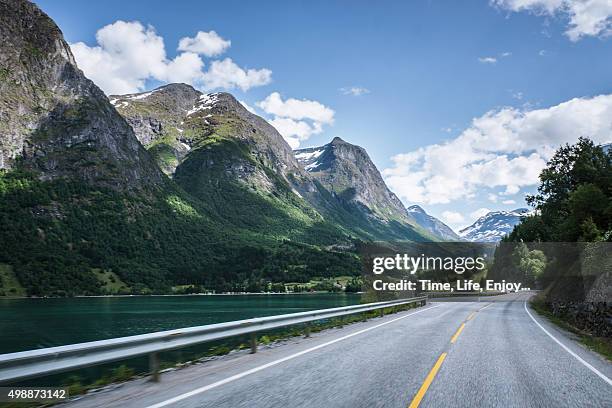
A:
(28, 324)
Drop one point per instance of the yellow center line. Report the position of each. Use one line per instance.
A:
(434, 371)
(428, 380)
(454, 339)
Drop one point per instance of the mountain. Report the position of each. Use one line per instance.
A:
(171, 120)
(218, 151)
(493, 226)
(432, 224)
(348, 173)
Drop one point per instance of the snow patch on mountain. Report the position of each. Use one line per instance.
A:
(205, 102)
(305, 156)
(309, 157)
(493, 226)
(139, 96)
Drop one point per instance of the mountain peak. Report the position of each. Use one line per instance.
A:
(432, 224)
(322, 157)
(347, 171)
(177, 86)
(183, 95)
(63, 126)
(173, 119)
(416, 208)
(494, 225)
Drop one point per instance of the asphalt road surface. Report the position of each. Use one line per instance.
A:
(492, 353)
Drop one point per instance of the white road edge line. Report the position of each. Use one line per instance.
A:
(273, 363)
(576, 356)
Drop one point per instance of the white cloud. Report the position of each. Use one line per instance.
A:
(452, 217)
(504, 148)
(297, 108)
(508, 202)
(296, 119)
(492, 197)
(511, 190)
(209, 44)
(493, 60)
(543, 53)
(354, 91)
(295, 131)
(226, 74)
(487, 60)
(187, 68)
(128, 54)
(479, 213)
(586, 17)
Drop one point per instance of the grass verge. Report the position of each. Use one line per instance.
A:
(601, 345)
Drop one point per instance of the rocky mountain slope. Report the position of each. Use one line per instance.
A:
(432, 224)
(349, 174)
(493, 226)
(55, 121)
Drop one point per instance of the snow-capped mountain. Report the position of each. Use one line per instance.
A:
(347, 171)
(493, 226)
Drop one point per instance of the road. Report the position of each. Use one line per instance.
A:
(492, 353)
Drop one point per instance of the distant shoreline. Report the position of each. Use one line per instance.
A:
(188, 294)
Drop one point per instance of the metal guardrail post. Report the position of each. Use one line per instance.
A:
(154, 366)
(307, 331)
(253, 343)
(382, 312)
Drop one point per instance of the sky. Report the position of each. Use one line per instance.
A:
(459, 104)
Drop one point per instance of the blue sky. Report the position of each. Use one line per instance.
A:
(428, 69)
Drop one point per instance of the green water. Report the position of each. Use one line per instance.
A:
(27, 324)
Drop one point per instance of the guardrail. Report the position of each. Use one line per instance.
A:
(36, 363)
